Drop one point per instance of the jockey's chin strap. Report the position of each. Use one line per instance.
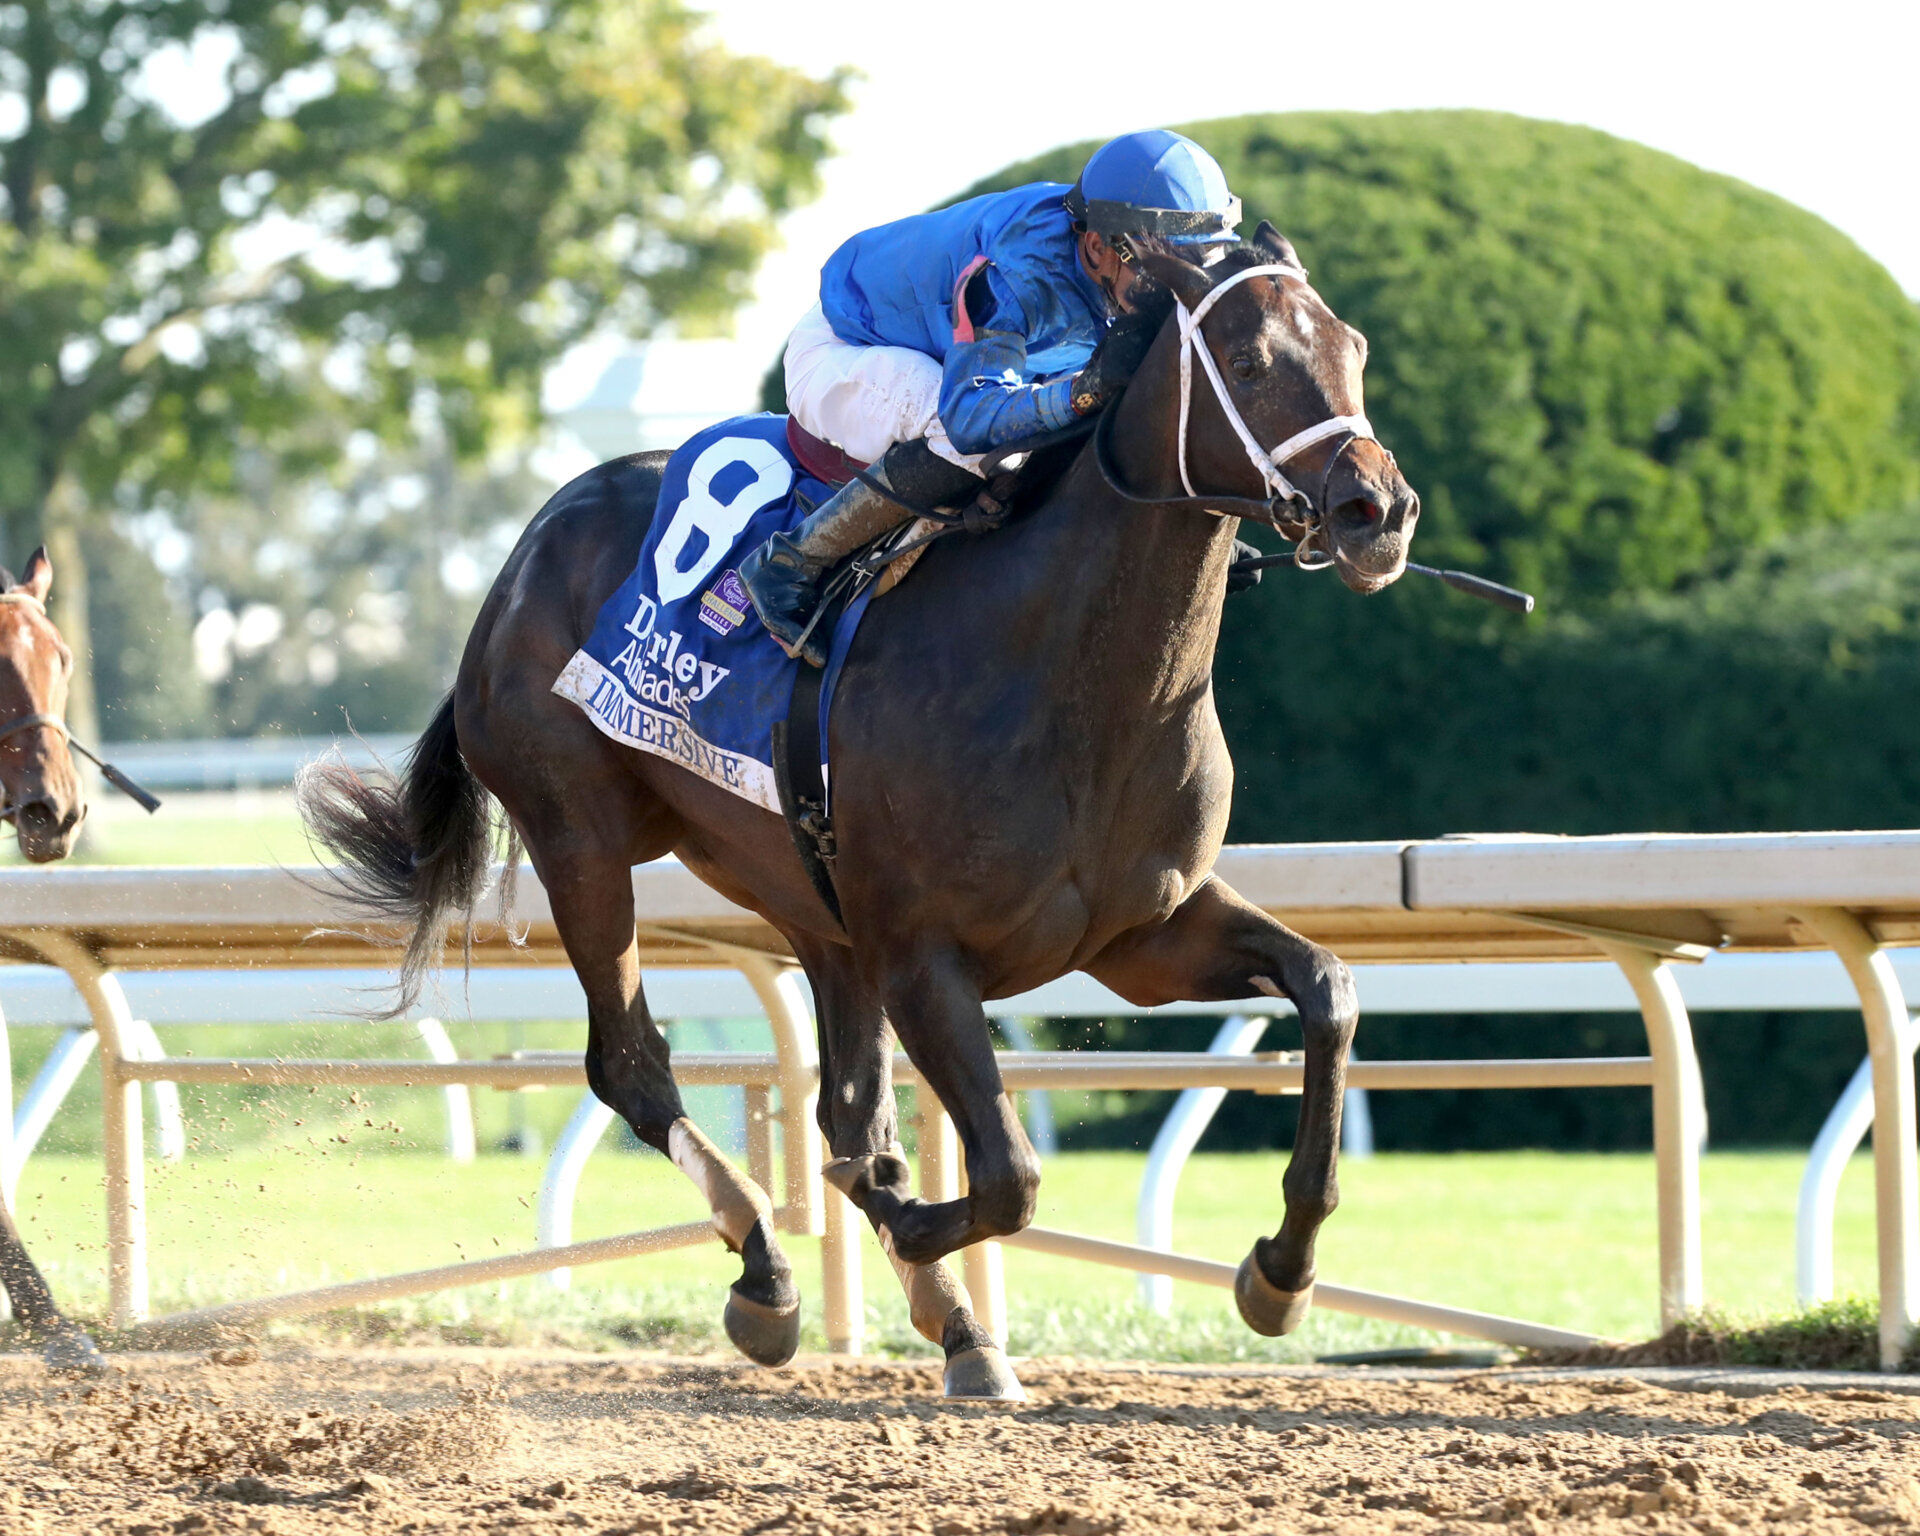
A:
(1308, 512)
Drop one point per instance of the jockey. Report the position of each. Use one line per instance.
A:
(942, 336)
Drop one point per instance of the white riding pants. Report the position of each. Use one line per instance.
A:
(863, 400)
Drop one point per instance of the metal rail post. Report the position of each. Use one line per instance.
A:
(1677, 1125)
(943, 1176)
(776, 986)
(1841, 1132)
(553, 1215)
(433, 1035)
(812, 1208)
(169, 1129)
(1896, 1179)
(49, 1090)
(120, 1113)
(1179, 1134)
(9, 1171)
(842, 1292)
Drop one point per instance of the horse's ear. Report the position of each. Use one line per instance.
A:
(7, 583)
(39, 574)
(1276, 245)
(1188, 283)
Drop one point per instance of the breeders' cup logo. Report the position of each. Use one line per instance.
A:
(724, 606)
(660, 670)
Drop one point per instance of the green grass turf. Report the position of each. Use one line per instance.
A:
(221, 829)
(1565, 1239)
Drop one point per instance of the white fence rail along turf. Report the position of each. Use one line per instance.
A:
(1643, 904)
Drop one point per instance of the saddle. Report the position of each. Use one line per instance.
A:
(1008, 486)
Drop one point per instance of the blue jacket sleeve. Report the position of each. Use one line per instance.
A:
(986, 400)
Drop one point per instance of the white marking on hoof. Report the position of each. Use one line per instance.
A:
(982, 1375)
(1264, 1307)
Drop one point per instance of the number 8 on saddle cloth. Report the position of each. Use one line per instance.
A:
(678, 664)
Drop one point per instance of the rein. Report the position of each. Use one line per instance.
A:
(1286, 501)
(39, 721)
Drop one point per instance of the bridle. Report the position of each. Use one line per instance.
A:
(1265, 463)
(42, 721)
(1287, 507)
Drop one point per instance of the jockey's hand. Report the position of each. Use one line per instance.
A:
(1239, 577)
(1114, 361)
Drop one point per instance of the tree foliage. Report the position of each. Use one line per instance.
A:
(241, 228)
(396, 205)
(1605, 370)
(1776, 697)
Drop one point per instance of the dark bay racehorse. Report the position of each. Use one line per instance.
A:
(1029, 779)
(46, 804)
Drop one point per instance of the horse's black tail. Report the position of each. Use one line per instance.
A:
(416, 850)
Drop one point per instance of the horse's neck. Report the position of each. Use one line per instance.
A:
(1152, 579)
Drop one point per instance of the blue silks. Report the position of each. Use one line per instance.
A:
(679, 664)
(992, 288)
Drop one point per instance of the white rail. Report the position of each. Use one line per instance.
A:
(1640, 902)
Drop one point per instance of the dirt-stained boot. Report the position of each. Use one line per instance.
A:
(783, 576)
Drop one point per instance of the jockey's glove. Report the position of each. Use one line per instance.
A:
(1241, 576)
(1114, 361)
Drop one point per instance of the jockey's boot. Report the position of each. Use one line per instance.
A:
(783, 576)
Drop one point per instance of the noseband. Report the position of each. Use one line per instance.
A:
(39, 721)
(1286, 503)
(1266, 464)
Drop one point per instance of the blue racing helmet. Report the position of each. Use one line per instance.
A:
(1157, 183)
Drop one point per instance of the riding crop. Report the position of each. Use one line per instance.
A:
(1480, 587)
(1460, 581)
(145, 798)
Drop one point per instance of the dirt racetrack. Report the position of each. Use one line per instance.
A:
(299, 1443)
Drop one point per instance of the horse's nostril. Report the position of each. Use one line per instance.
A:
(1361, 510)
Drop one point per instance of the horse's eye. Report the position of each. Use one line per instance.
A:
(1245, 368)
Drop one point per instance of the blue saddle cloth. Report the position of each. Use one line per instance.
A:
(679, 664)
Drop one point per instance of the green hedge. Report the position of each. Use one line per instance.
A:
(1782, 696)
(1687, 415)
(1605, 370)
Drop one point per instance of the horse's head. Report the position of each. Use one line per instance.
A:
(1288, 368)
(43, 795)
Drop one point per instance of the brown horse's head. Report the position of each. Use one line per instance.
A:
(1288, 363)
(42, 791)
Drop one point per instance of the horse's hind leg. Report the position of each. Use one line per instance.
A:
(857, 1118)
(63, 1345)
(587, 872)
(1217, 946)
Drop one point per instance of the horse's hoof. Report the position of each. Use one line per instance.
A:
(982, 1374)
(1264, 1307)
(765, 1335)
(71, 1352)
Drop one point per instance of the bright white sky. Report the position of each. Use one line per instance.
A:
(1818, 104)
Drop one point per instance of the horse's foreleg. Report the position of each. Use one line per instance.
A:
(935, 1009)
(1215, 947)
(857, 1118)
(628, 1070)
(63, 1344)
